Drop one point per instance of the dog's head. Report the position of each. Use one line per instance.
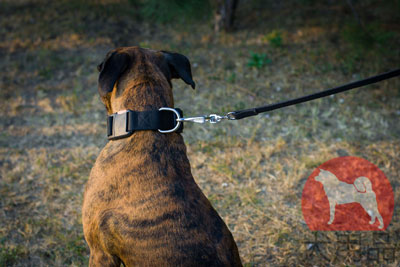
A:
(326, 177)
(140, 79)
(323, 176)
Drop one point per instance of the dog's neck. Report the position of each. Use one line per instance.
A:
(141, 96)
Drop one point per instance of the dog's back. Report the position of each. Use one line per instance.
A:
(149, 211)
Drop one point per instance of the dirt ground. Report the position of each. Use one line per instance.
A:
(52, 123)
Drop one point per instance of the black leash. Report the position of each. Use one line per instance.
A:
(240, 114)
(167, 120)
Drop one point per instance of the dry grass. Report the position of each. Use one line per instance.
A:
(52, 122)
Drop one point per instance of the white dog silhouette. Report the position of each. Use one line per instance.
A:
(339, 192)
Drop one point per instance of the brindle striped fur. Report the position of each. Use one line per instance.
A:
(141, 205)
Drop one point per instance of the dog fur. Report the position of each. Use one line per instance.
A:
(339, 192)
(141, 204)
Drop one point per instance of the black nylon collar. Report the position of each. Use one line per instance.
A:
(124, 123)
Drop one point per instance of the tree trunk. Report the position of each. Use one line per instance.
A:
(225, 15)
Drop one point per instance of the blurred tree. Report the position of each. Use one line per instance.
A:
(178, 11)
(224, 14)
(174, 11)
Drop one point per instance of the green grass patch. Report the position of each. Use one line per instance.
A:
(9, 254)
(274, 38)
(258, 60)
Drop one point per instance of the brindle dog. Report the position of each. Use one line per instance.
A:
(141, 205)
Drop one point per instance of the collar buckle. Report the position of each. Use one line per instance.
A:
(118, 125)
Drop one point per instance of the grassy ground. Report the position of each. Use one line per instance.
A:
(53, 124)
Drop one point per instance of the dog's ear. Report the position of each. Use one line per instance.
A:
(179, 67)
(110, 70)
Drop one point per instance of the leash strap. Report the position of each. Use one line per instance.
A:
(240, 114)
(124, 123)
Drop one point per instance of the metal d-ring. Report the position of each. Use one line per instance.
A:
(177, 120)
